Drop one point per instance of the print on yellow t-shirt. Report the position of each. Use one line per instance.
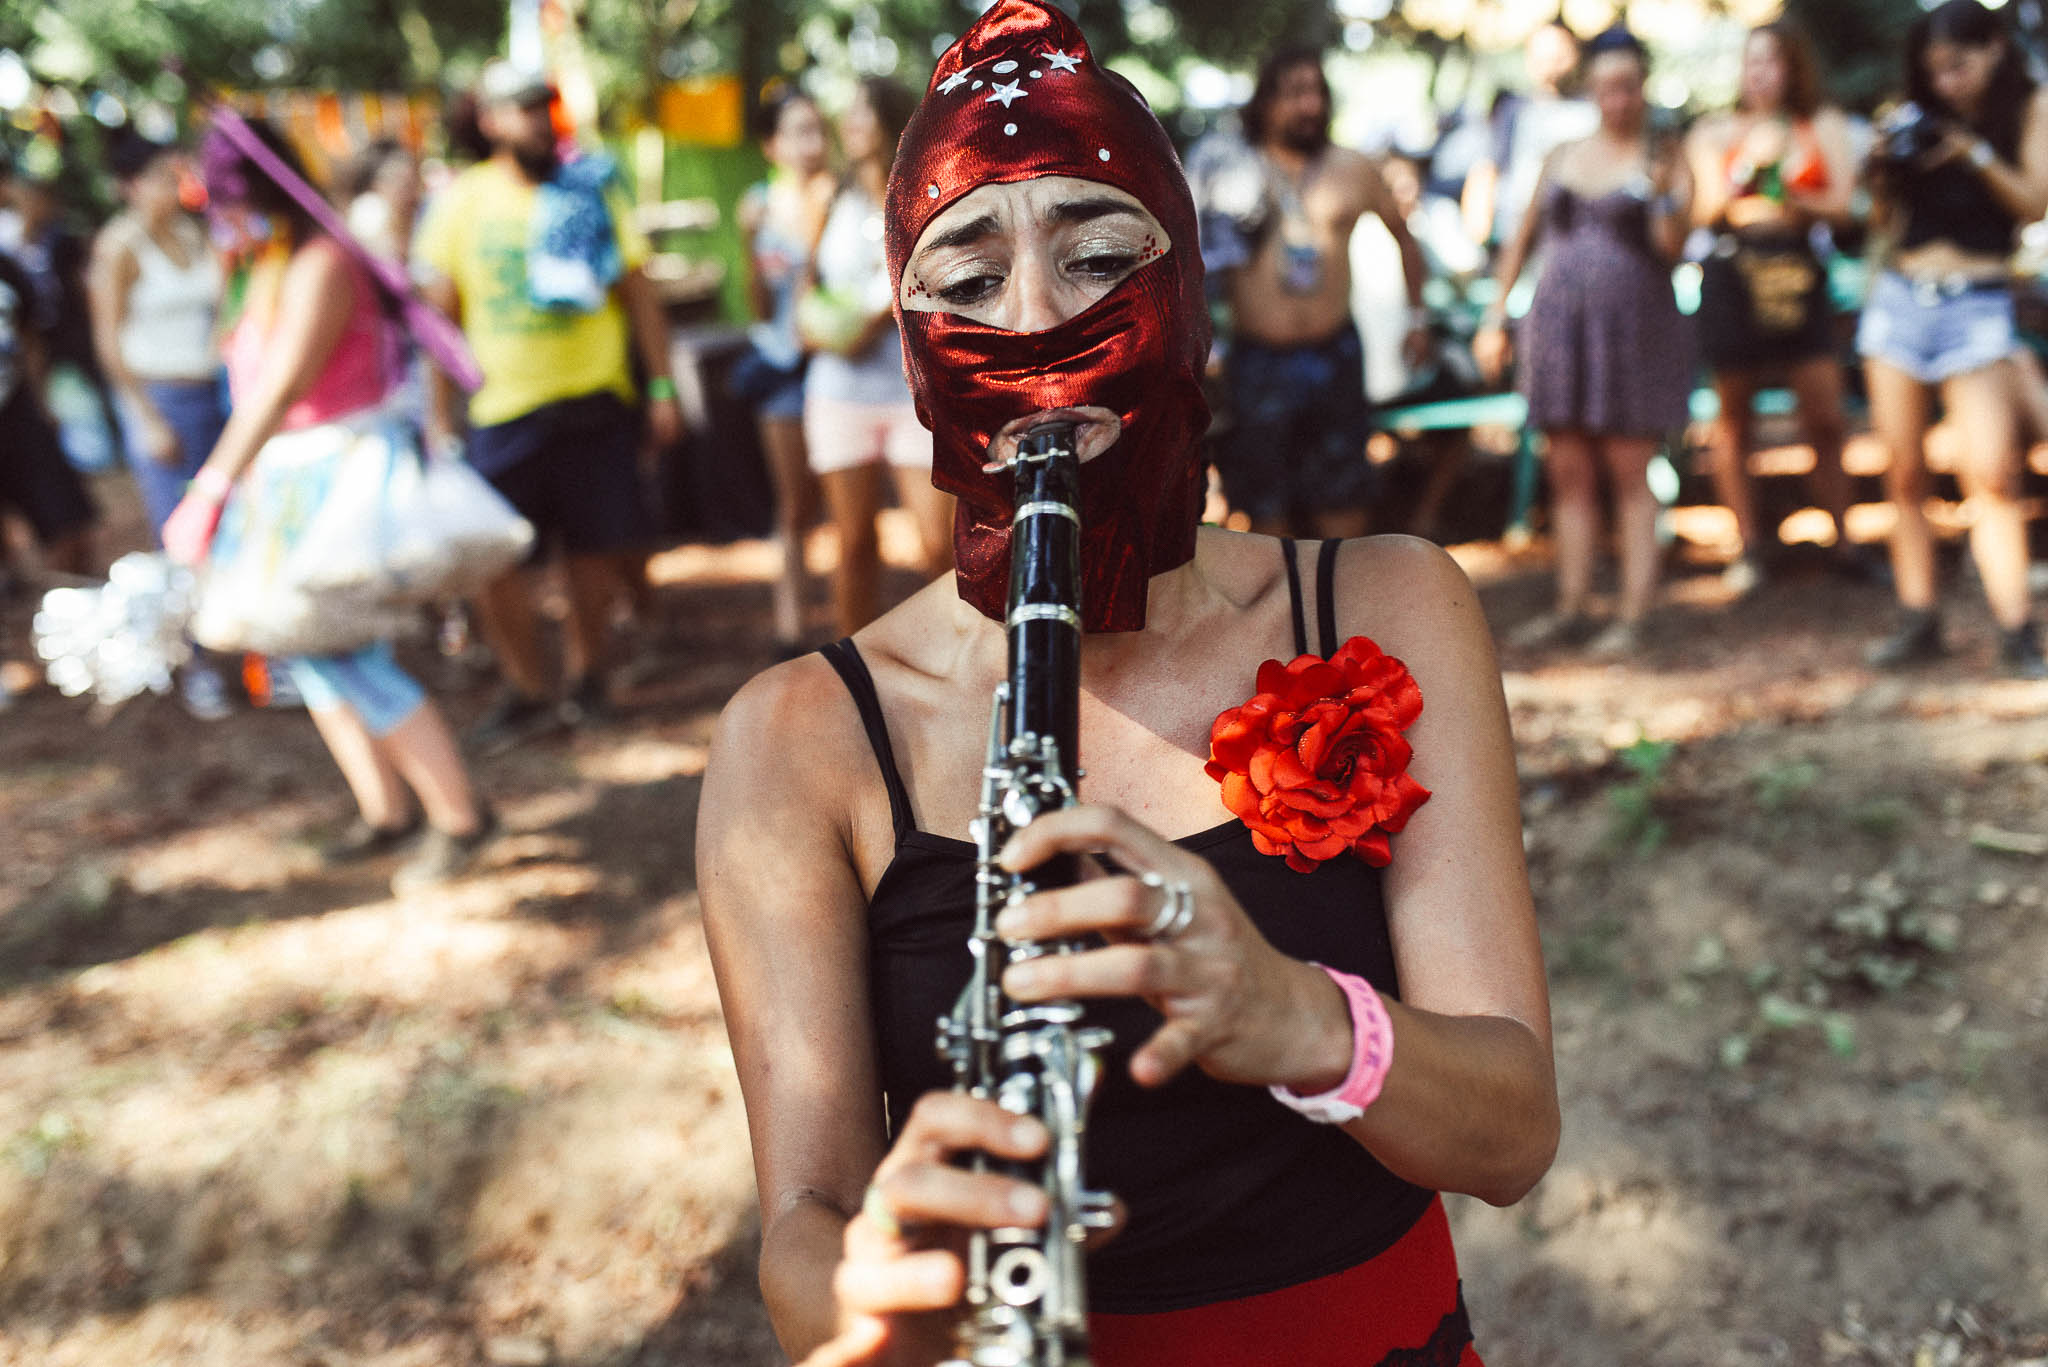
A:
(475, 234)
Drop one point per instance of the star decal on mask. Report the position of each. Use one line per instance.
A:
(1006, 92)
(952, 82)
(1060, 61)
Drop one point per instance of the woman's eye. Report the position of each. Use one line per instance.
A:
(971, 290)
(1104, 265)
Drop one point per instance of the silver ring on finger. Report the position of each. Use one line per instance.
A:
(1176, 909)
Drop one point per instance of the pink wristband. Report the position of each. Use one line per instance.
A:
(1372, 1053)
(211, 484)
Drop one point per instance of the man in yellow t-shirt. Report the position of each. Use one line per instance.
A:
(554, 427)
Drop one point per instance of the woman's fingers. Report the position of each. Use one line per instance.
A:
(1091, 830)
(917, 1186)
(909, 1283)
(1115, 904)
(941, 1194)
(1160, 1059)
(945, 1123)
(1129, 970)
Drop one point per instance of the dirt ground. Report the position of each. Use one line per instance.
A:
(254, 1112)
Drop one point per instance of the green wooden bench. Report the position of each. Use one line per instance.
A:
(1511, 410)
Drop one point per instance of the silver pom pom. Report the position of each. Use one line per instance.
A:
(121, 639)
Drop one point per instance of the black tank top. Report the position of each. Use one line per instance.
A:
(1951, 203)
(1230, 1193)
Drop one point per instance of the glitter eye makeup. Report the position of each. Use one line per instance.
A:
(1090, 236)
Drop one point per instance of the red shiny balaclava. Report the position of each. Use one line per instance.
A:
(1019, 96)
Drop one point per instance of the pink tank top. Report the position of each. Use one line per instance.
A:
(358, 372)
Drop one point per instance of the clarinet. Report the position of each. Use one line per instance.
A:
(1027, 1305)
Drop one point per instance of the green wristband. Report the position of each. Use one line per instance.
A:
(661, 387)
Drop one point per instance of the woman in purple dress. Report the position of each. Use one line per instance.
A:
(1606, 357)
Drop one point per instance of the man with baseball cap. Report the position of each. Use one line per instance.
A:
(555, 426)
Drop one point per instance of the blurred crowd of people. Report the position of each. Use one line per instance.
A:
(181, 346)
(1620, 267)
(264, 326)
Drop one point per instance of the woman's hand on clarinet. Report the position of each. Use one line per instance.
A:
(1235, 1007)
(901, 1272)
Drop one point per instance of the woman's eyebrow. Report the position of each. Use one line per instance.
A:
(962, 234)
(1066, 211)
(1086, 210)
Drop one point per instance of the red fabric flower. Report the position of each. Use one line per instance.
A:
(1315, 763)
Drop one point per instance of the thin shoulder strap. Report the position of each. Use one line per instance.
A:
(853, 671)
(1326, 595)
(1287, 558)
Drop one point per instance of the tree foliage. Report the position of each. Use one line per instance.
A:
(632, 46)
(348, 44)
(1859, 43)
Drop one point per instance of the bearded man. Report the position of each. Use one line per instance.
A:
(1295, 461)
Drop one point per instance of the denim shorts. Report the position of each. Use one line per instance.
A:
(1935, 331)
(367, 682)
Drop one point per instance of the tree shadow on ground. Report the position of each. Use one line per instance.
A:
(718, 1317)
(97, 1241)
(657, 822)
(93, 916)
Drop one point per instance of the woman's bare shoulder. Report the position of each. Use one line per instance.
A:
(323, 266)
(117, 237)
(799, 707)
(1408, 562)
(783, 749)
(1411, 592)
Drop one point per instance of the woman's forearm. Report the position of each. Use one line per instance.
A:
(2025, 196)
(1469, 1105)
(799, 1249)
(249, 425)
(120, 378)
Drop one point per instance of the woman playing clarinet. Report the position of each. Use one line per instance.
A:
(1304, 918)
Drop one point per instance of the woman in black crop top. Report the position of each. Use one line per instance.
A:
(1954, 174)
(837, 884)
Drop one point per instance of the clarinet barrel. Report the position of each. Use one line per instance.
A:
(1027, 1301)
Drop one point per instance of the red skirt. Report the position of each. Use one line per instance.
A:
(1402, 1307)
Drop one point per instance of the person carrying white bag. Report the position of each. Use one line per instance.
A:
(311, 363)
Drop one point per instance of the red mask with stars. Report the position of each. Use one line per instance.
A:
(1018, 97)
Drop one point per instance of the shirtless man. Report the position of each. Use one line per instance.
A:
(1295, 463)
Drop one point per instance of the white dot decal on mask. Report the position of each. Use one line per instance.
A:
(1103, 153)
(1003, 68)
(976, 86)
(1036, 74)
(932, 189)
(1009, 130)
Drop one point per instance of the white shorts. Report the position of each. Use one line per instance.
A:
(840, 435)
